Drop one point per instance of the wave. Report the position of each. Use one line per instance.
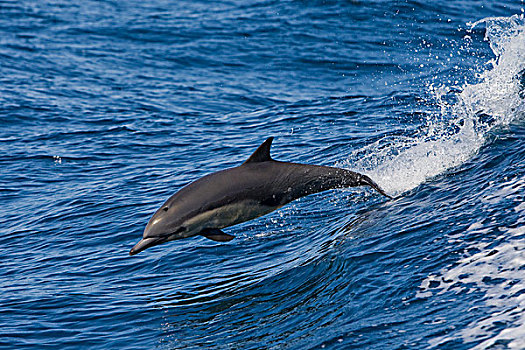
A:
(494, 270)
(463, 119)
(468, 119)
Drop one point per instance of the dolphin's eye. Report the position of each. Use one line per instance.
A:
(165, 208)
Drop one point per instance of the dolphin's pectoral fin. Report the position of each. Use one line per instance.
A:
(216, 235)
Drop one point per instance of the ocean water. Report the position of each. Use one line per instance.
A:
(107, 108)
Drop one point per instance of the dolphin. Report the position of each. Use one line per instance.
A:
(228, 197)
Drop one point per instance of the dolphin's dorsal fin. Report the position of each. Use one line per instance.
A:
(261, 154)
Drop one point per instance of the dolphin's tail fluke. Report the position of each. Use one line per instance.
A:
(365, 180)
(323, 178)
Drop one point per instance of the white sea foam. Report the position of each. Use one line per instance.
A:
(459, 129)
(449, 138)
(496, 271)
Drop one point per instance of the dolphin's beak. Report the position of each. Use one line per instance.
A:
(146, 243)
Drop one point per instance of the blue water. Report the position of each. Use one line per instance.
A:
(107, 108)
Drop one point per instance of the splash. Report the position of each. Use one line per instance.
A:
(461, 125)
